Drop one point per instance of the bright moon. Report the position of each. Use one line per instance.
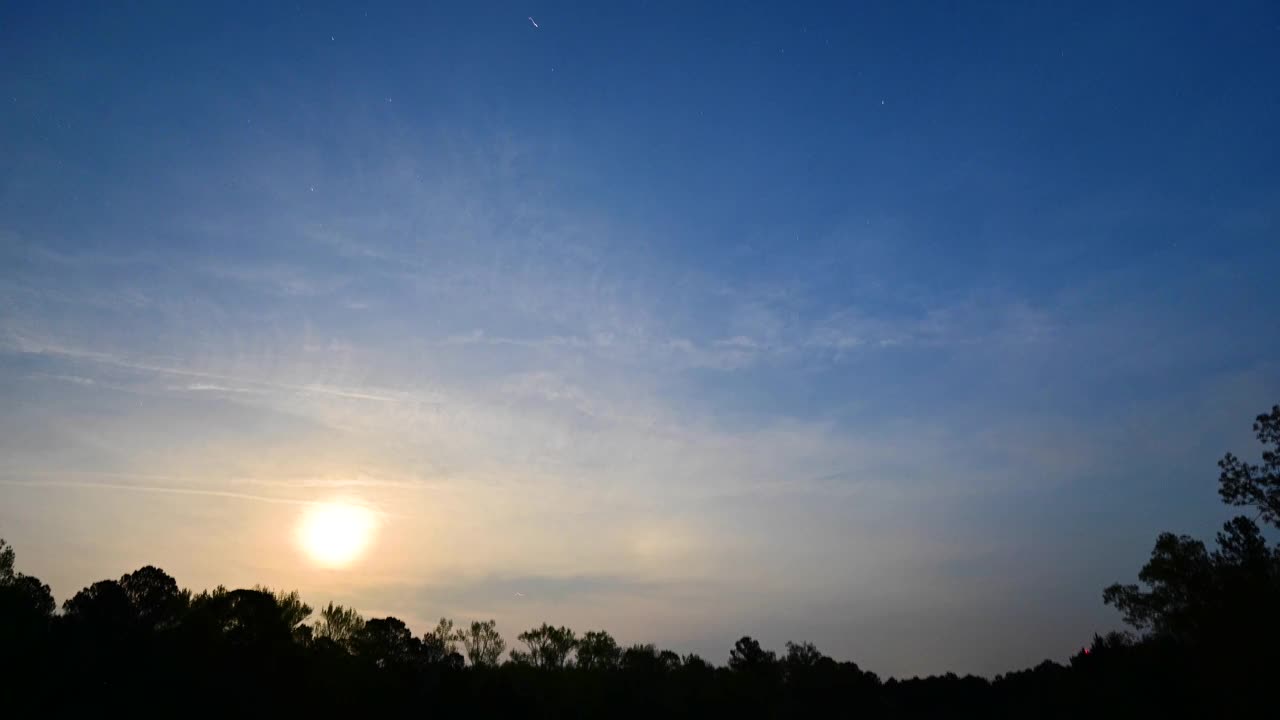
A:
(335, 534)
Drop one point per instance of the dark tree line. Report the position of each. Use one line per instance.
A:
(1206, 644)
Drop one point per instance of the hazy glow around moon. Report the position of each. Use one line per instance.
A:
(335, 534)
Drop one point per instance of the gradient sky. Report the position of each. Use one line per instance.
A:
(898, 327)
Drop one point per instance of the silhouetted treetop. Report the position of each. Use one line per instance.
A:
(803, 657)
(597, 650)
(1210, 613)
(1179, 576)
(647, 659)
(483, 645)
(441, 644)
(338, 624)
(6, 562)
(103, 606)
(1258, 486)
(388, 643)
(747, 655)
(248, 619)
(22, 596)
(157, 601)
(548, 646)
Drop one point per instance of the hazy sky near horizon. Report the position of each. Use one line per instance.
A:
(898, 327)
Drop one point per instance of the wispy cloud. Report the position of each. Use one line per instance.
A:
(75, 379)
(175, 490)
(209, 387)
(27, 345)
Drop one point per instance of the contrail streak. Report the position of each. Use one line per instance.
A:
(153, 489)
(105, 359)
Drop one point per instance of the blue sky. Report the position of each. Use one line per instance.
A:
(898, 327)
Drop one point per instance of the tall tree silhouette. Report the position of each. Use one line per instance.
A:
(157, 601)
(102, 609)
(293, 612)
(748, 656)
(1192, 595)
(26, 624)
(597, 650)
(646, 658)
(24, 595)
(803, 658)
(338, 624)
(441, 644)
(26, 606)
(388, 643)
(242, 619)
(548, 646)
(1198, 604)
(6, 562)
(483, 644)
(1258, 486)
(27, 597)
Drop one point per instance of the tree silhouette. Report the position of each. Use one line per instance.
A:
(597, 650)
(26, 616)
(647, 659)
(1195, 604)
(1244, 484)
(29, 596)
(388, 643)
(293, 612)
(26, 604)
(748, 656)
(244, 619)
(1179, 576)
(483, 644)
(641, 657)
(548, 646)
(695, 662)
(6, 562)
(669, 660)
(441, 644)
(103, 608)
(24, 597)
(1193, 596)
(105, 630)
(157, 602)
(803, 655)
(338, 624)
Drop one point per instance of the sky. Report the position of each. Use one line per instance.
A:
(900, 327)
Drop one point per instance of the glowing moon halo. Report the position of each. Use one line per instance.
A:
(335, 534)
